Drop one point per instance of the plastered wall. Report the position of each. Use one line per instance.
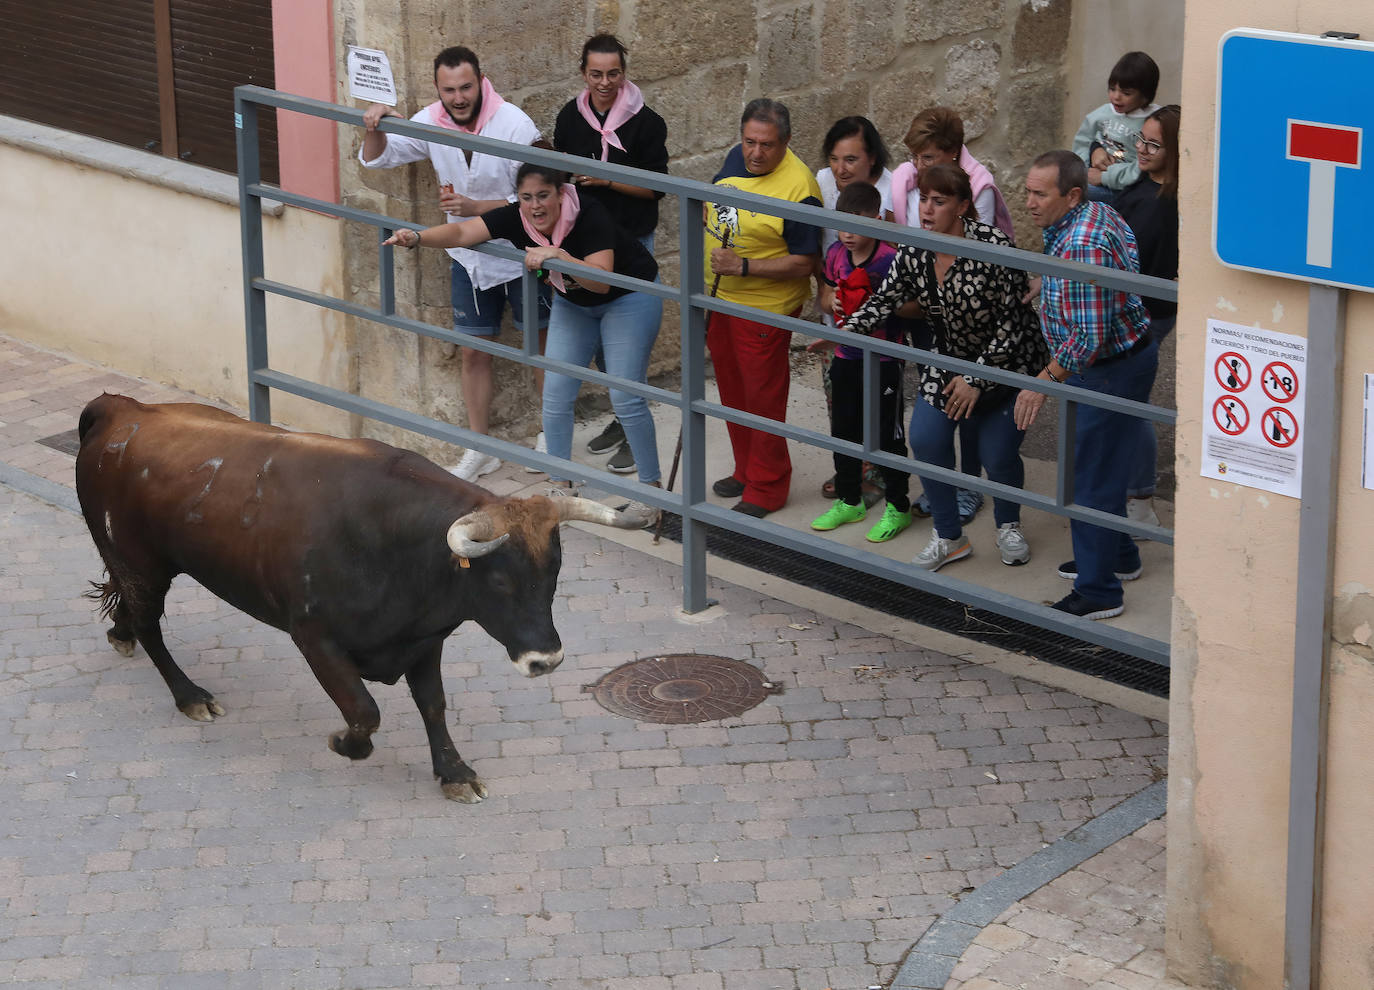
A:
(148, 281)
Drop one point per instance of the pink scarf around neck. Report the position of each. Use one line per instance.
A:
(567, 216)
(491, 102)
(904, 180)
(628, 102)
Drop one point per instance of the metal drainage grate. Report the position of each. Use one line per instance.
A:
(681, 687)
(68, 442)
(932, 610)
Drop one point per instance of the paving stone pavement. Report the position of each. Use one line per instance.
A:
(803, 845)
(1097, 927)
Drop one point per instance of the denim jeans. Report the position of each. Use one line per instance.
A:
(625, 329)
(998, 440)
(478, 311)
(1105, 451)
(1143, 477)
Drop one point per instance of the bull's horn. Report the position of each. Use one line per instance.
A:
(572, 509)
(471, 536)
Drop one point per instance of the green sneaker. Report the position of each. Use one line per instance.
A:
(839, 513)
(889, 526)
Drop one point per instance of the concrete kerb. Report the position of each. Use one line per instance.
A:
(933, 958)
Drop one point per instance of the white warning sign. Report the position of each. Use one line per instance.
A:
(1253, 398)
(369, 76)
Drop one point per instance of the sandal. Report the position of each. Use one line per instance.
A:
(874, 485)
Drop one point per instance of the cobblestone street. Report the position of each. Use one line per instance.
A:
(806, 844)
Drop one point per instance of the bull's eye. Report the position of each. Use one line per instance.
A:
(501, 584)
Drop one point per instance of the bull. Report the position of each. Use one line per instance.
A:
(368, 556)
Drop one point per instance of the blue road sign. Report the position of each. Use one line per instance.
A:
(1294, 180)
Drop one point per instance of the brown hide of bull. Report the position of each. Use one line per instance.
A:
(341, 543)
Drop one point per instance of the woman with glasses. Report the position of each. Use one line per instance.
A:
(1150, 207)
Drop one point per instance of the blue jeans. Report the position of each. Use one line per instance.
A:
(1105, 450)
(998, 441)
(1143, 477)
(478, 311)
(625, 330)
(599, 359)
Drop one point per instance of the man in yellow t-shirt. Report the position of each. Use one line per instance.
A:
(767, 264)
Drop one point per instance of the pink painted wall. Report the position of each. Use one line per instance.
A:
(303, 44)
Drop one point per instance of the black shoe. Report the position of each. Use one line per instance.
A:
(750, 509)
(728, 487)
(1076, 604)
(623, 460)
(611, 436)
(1069, 569)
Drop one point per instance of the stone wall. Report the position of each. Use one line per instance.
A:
(999, 62)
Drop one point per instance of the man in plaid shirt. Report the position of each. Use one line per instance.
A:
(1099, 339)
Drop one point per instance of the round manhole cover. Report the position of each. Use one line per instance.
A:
(682, 687)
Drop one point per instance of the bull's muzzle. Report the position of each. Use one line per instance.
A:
(534, 663)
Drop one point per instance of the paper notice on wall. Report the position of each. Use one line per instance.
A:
(1254, 391)
(1367, 471)
(369, 76)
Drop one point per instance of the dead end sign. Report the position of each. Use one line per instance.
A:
(1291, 179)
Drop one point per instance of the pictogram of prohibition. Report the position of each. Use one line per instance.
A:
(1230, 415)
(1233, 372)
(1279, 381)
(1279, 427)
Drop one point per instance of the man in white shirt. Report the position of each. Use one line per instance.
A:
(470, 184)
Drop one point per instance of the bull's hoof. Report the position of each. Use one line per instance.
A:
(203, 711)
(347, 744)
(124, 647)
(465, 791)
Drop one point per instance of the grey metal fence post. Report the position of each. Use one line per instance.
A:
(691, 248)
(529, 299)
(1068, 427)
(386, 273)
(250, 229)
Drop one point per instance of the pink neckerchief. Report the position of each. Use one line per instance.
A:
(628, 102)
(491, 102)
(904, 180)
(567, 216)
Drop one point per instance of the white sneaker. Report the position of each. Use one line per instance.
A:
(475, 464)
(939, 552)
(1142, 510)
(1012, 543)
(541, 446)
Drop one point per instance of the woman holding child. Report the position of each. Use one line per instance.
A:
(977, 314)
(550, 222)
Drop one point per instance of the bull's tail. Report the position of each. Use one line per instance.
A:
(107, 594)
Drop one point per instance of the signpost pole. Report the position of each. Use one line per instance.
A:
(1312, 637)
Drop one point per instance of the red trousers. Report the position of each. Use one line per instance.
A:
(752, 373)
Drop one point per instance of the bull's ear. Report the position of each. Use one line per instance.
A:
(587, 510)
(472, 536)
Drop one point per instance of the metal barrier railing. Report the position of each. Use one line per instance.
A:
(694, 303)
